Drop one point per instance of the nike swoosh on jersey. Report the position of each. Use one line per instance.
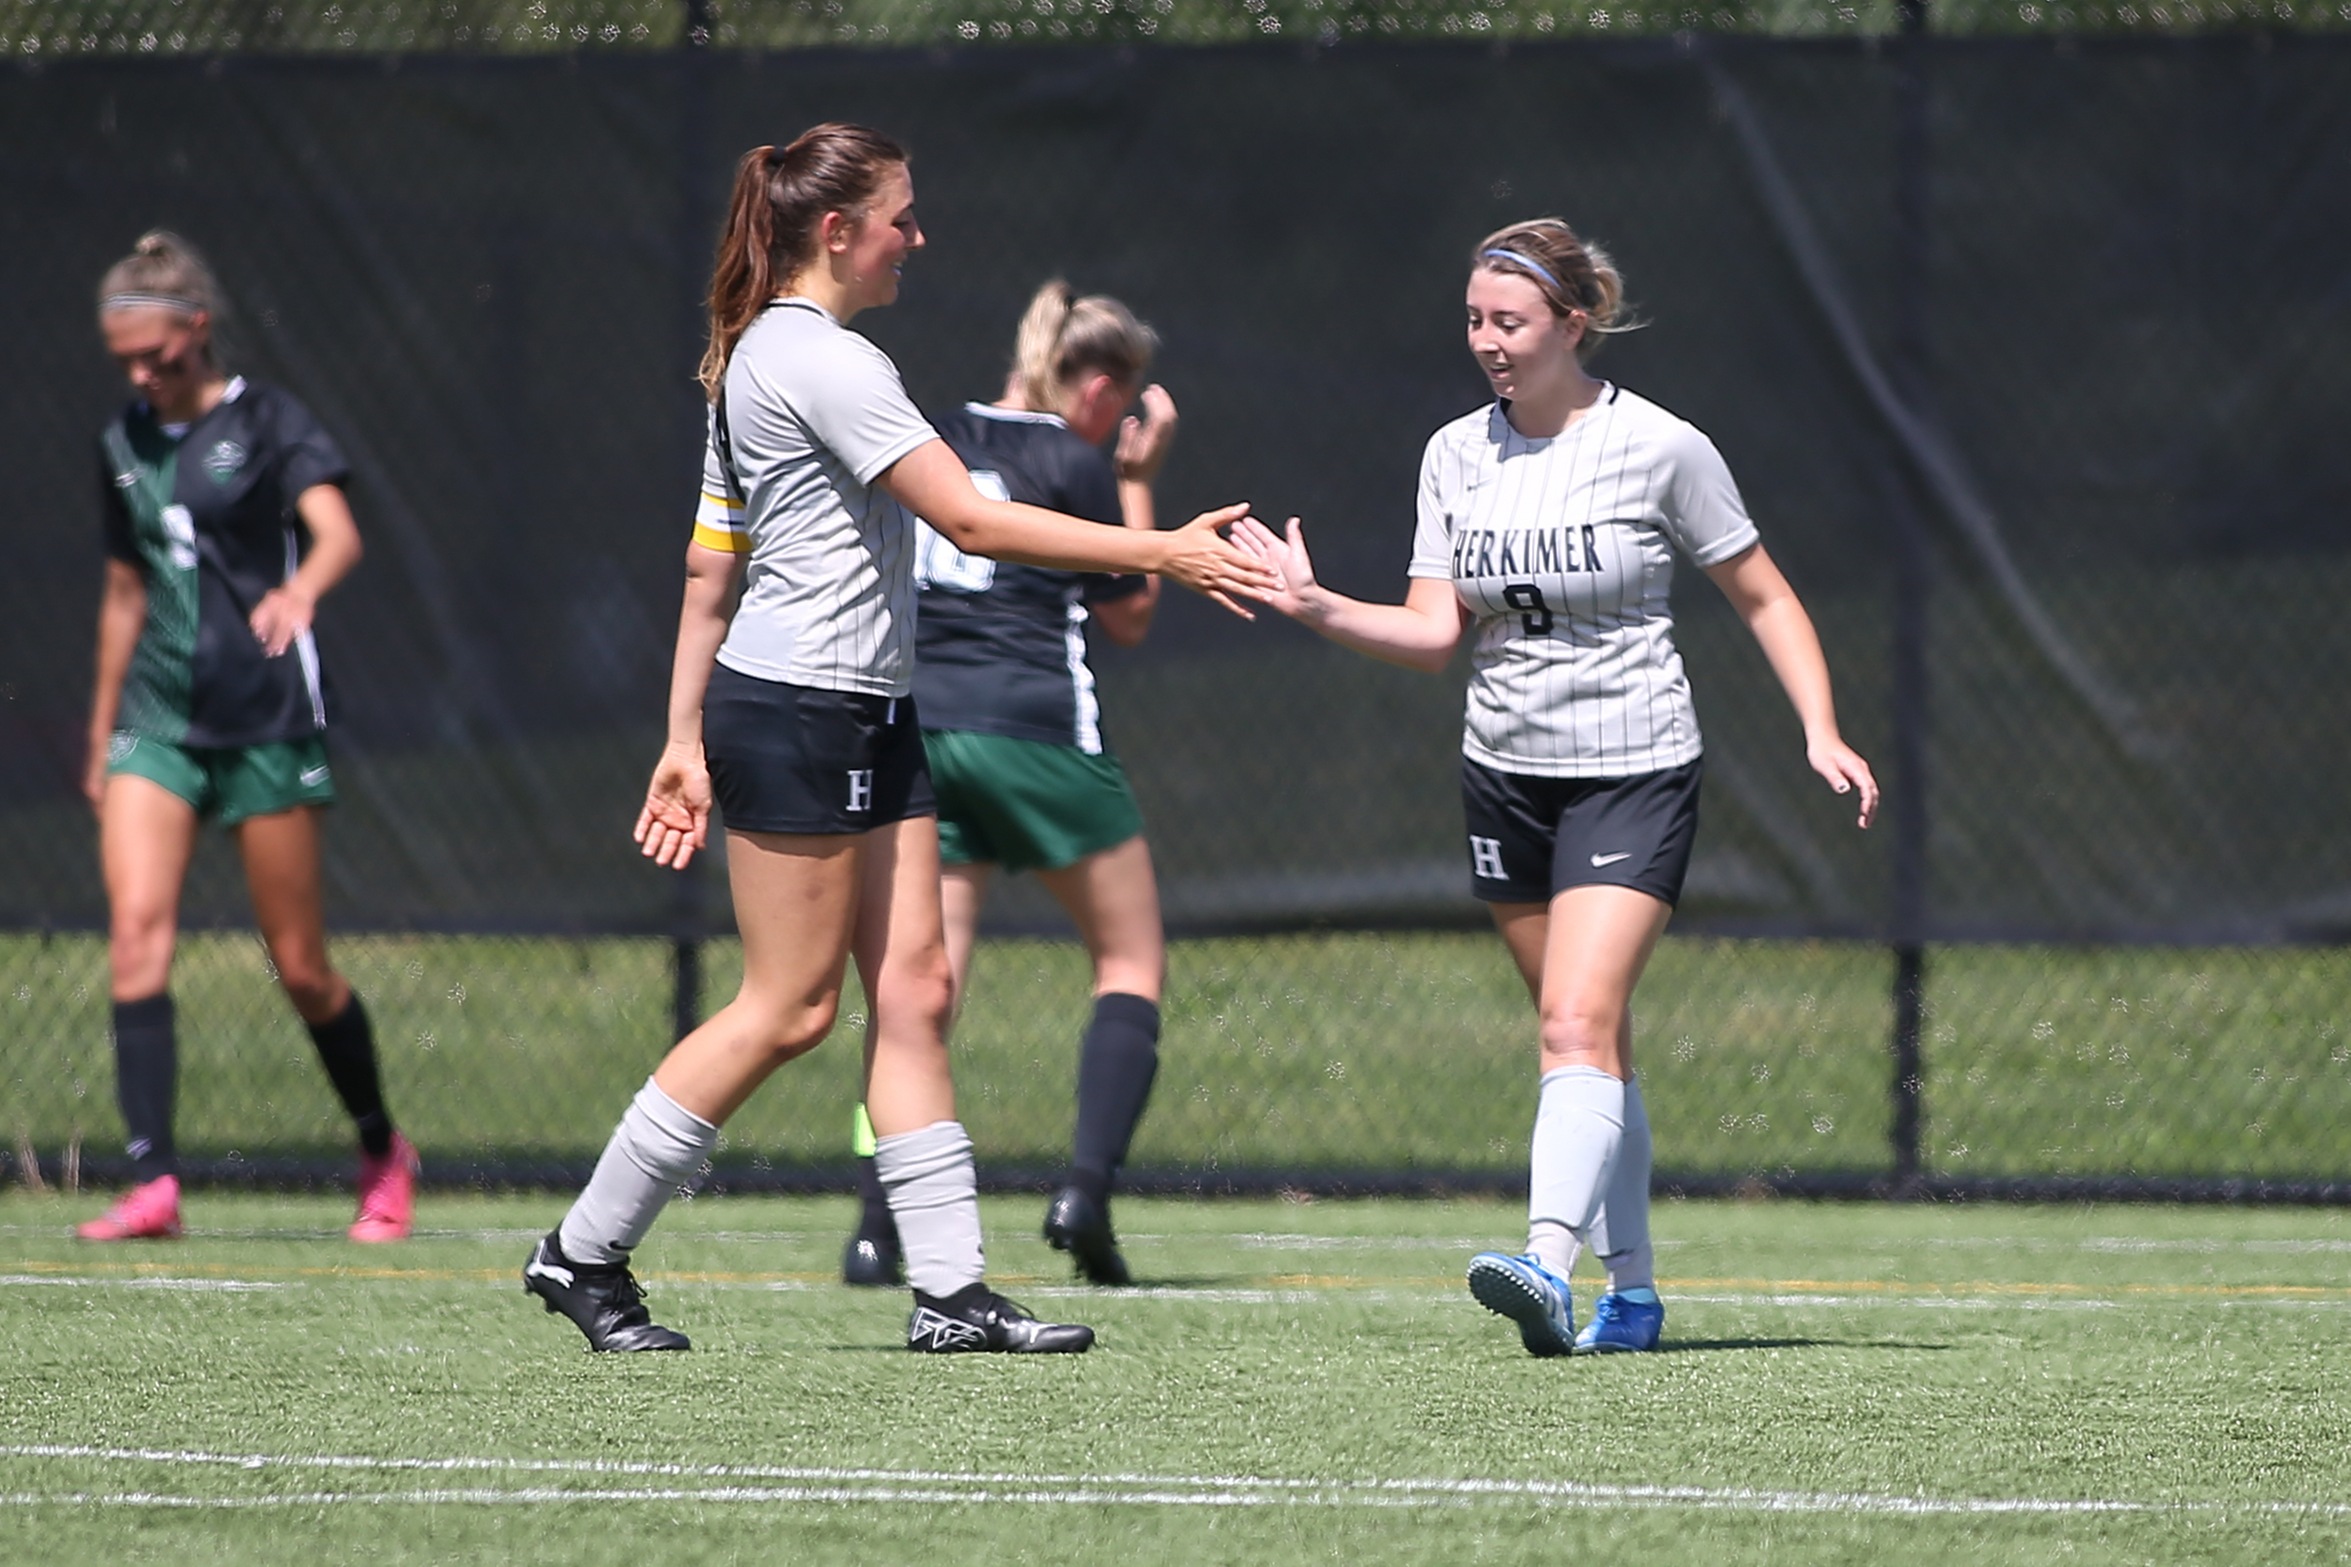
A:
(314, 775)
(1599, 860)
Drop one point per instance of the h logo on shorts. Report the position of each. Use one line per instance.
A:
(861, 788)
(1486, 855)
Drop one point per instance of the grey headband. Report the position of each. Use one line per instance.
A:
(1532, 265)
(186, 307)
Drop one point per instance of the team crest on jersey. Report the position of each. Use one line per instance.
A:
(223, 461)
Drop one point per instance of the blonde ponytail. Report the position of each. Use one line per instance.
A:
(1061, 337)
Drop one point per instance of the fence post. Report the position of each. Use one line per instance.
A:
(1908, 805)
(686, 913)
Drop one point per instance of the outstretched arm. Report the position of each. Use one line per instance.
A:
(1773, 613)
(933, 483)
(1420, 633)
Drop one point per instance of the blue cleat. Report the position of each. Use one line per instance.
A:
(1530, 1295)
(1622, 1325)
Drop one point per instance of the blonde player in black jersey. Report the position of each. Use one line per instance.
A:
(1548, 521)
(1013, 731)
(225, 525)
(791, 712)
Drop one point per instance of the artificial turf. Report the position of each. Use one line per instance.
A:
(1297, 1382)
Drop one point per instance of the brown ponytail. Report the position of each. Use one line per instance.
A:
(1572, 273)
(780, 197)
(1061, 337)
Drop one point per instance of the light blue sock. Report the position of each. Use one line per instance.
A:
(1579, 1131)
(1621, 1237)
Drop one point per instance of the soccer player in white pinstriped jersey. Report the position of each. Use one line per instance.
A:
(1548, 522)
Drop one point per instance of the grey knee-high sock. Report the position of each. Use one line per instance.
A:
(1621, 1236)
(658, 1146)
(935, 1197)
(1579, 1132)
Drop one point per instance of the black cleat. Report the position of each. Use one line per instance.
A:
(602, 1300)
(1079, 1225)
(873, 1261)
(977, 1320)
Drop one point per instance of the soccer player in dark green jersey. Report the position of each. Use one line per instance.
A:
(225, 525)
(1012, 728)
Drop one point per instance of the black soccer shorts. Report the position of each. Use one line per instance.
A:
(1532, 838)
(795, 759)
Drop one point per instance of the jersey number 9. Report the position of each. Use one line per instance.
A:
(1534, 614)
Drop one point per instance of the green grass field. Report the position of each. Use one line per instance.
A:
(1399, 1051)
(1294, 1382)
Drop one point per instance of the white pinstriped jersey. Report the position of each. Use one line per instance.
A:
(814, 413)
(1562, 552)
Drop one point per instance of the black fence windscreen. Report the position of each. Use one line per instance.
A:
(2031, 358)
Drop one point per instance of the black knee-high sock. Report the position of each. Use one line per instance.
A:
(874, 1221)
(347, 1048)
(146, 1077)
(1115, 1069)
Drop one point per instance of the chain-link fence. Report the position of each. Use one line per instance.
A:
(2027, 353)
(41, 30)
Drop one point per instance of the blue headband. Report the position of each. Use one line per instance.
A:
(1528, 262)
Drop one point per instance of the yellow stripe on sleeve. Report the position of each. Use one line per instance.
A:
(731, 541)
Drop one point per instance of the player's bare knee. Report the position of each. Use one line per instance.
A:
(921, 995)
(138, 952)
(924, 1010)
(791, 1030)
(1574, 1036)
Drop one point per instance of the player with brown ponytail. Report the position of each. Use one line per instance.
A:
(791, 711)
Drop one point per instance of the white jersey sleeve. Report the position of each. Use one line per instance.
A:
(854, 403)
(1432, 533)
(720, 522)
(1701, 510)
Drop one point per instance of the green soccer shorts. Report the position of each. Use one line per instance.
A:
(229, 783)
(1024, 804)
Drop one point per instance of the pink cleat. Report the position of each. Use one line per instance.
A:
(387, 1194)
(148, 1212)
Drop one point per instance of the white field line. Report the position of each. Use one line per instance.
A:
(930, 1487)
(81, 1281)
(1800, 1301)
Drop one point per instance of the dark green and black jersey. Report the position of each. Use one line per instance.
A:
(207, 517)
(1001, 648)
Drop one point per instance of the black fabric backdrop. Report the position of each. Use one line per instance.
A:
(2109, 390)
